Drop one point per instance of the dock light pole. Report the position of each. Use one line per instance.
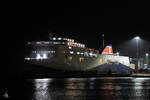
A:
(137, 38)
(147, 62)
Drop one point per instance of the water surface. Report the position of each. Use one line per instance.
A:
(105, 88)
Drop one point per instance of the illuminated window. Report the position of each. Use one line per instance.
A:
(38, 42)
(54, 38)
(78, 53)
(27, 58)
(100, 61)
(69, 43)
(70, 47)
(91, 54)
(81, 59)
(34, 51)
(71, 52)
(79, 45)
(52, 51)
(75, 44)
(82, 45)
(69, 58)
(81, 53)
(38, 56)
(59, 38)
(44, 56)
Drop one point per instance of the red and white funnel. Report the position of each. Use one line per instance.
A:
(108, 50)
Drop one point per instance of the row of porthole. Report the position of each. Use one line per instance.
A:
(85, 54)
(43, 51)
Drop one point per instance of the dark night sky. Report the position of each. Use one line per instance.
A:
(120, 22)
(84, 21)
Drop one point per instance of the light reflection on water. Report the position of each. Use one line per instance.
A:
(41, 89)
(106, 88)
(141, 85)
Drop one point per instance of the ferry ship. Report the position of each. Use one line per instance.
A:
(66, 54)
(63, 54)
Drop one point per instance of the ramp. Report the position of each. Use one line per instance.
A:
(114, 68)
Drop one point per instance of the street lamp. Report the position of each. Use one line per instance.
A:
(147, 62)
(146, 54)
(137, 38)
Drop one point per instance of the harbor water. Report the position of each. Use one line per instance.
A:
(104, 88)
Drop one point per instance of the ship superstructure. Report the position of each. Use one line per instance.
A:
(62, 53)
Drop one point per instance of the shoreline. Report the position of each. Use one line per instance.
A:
(83, 75)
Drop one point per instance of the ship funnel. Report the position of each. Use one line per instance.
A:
(108, 50)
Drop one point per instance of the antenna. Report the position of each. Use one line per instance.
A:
(103, 39)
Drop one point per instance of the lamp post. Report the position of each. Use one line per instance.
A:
(137, 38)
(103, 40)
(147, 59)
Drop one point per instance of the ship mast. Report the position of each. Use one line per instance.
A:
(103, 40)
